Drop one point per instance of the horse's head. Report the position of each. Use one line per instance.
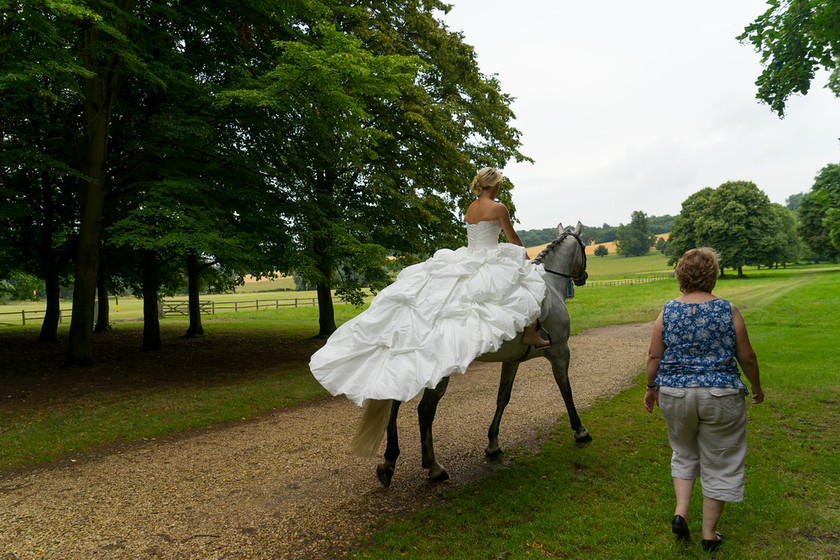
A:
(566, 255)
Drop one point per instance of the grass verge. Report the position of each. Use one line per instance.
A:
(613, 498)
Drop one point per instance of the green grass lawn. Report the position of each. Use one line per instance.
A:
(613, 498)
(609, 499)
(613, 266)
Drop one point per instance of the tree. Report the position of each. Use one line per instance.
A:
(661, 224)
(40, 164)
(819, 220)
(660, 244)
(784, 245)
(381, 118)
(601, 251)
(115, 96)
(827, 190)
(812, 229)
(106, 57)
(794, 38)
(735, 218)
(794, 201)
(634, 238)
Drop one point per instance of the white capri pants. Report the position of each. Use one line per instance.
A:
(707, 429)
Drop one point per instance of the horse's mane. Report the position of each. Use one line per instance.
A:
(550, 247)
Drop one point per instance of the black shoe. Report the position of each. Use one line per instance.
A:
(679, 527)
(714, 544)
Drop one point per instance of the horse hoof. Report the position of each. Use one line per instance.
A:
(384, 473)
(438, 473)
(582, 436)
(493, 451)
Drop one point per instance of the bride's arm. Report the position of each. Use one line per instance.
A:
(507, 226)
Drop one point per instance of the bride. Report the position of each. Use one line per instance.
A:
(439, 315)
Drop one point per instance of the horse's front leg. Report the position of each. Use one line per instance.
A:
(426, 415)
(509, 370)
(385, 471)
(559, 358)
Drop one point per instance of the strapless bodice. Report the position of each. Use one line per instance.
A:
(483, 235)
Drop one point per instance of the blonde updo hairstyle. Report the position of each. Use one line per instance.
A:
(486, 178)
(697, 270)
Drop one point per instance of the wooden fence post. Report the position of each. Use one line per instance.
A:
(23, 317)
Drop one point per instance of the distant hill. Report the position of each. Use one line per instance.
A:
(590, 249)
(593, 234)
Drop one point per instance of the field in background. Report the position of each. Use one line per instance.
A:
(610, 267)
(279, 285)
(613, 266)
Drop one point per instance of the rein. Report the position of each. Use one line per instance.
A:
(583, 252)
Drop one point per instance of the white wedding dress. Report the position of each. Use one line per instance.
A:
(434, 320)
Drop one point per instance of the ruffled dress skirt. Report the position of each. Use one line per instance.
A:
(433, 321)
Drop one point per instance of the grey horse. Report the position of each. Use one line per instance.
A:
(564, 260)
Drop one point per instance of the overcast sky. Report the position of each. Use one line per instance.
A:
(636, 105)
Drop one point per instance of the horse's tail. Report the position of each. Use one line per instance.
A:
(369, 434)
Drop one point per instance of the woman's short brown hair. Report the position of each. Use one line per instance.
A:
(697, 270)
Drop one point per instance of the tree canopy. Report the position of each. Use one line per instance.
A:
(634, 239)
(150, 141)
(820, 214)
(795, 38)
(738, 220)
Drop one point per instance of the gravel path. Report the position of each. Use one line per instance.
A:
(285, 485)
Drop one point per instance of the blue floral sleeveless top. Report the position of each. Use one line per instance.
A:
(699, 346)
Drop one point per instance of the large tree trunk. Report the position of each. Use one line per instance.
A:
(151, 322)
(80, 351)
(326, 312)
(103, 316)
(99, 92)
(49, 266)
(324, 194)
(49, 328)
(193, 269)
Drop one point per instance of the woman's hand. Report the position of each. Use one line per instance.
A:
(651, 397)
(757, 394)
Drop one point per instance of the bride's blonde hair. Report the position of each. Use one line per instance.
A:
(484, 179)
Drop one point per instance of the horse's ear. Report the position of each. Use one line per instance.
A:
(560, 229)
(578, 228)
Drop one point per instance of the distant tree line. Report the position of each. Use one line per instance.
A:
(594, 234)
(738, 220)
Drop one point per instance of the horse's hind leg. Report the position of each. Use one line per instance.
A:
(426, 415)
(505, 387)
(560, 366)
(385, 471)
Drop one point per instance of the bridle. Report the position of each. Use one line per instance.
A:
(582, 278)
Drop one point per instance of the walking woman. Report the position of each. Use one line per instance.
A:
(693, 375)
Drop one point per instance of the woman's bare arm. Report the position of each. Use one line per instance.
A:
(507, 226)
(655, 353)
(746, 357)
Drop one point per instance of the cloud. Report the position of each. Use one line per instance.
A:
(636, 105)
